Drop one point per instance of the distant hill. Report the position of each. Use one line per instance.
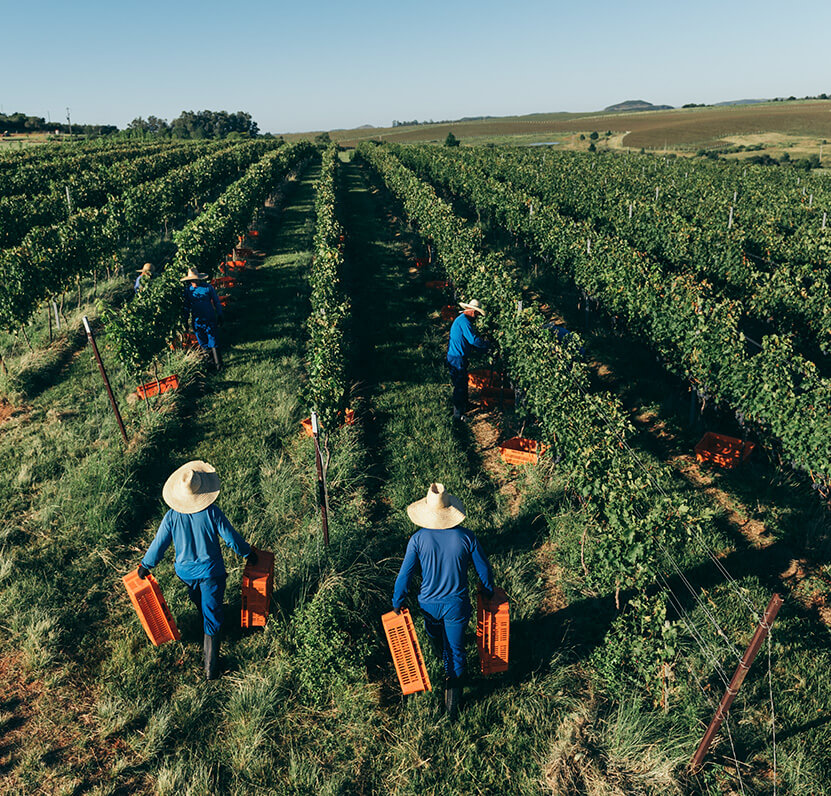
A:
(637, 105)
(741, 102)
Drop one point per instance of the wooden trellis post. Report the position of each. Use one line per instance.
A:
(742, 669)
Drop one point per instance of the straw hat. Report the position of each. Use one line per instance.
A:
(193, 276)
(191, 488)
(472, 305)
(439, 510)
(147, 269)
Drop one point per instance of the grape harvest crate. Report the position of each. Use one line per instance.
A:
(490, 386)
(348, 420)
(224, 282)
(437, 284)
(484, 379)
(519, 450)
(449, 312)
(722, 450)
(187, 342)
(257, 585)
(152, 610)
(493, 629)
(223, 300)
(406, 652)
(158, 387)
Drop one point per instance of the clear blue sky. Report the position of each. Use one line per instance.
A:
(323, 65)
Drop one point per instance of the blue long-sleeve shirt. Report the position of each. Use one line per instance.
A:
(202, 301)
(463, 340)
(137, 285)
(444, 557)
(195, 538)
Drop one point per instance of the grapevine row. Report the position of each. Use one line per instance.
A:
(140, 330)
(19, 214)
(330, 307)
(588, 431)
(795, 292)
(37, 176)
(49, 258)
(692, 328)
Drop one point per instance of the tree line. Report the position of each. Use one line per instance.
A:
(23, 123)
(196, 125)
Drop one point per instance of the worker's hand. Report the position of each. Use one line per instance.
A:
(143, 572)
(487, 593)
(397, 610)
(252, 558)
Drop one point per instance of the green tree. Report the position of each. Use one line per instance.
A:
(451, 140)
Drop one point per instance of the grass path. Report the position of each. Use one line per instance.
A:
(502, 736)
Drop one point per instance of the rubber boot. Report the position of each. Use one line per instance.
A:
(211, 645)
(452, 697)
(438, 648)
(217, 358)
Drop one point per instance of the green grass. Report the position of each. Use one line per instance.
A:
(311, 704)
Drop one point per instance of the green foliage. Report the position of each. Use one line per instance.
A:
(140, 330)
(48, 259)
(694, 329)
(332, 640)
(451, 140)
(331, 310)
(588, 431)
(639, 650)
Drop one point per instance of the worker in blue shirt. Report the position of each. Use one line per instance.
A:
(443, 550)
(144, 277)
(463, 340)
(202, 303)
(195, 525)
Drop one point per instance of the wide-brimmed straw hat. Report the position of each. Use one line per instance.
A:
(439, 510)
(193, 275)
(473, 304)
(147, 268)
(191, 488)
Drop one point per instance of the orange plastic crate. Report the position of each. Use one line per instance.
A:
(152, 610)
(519, 450)
(188, 341)
(253, 233)
(437, 284)
(406, 652)
(224, 282)
(723, 451)
(420, 263)
(223, 300)
(243, 251)
(484, 378)
(493, 630)
(257, 585)
(348, 420)
(449, 312)
(238, 265)
(157, 387)
(491, 386)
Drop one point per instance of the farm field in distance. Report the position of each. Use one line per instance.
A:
(636, 305)
(796, 126)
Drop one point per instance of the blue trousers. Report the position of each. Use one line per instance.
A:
(205, 332)
(207, 595)
(458, 378)
(445, 624)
